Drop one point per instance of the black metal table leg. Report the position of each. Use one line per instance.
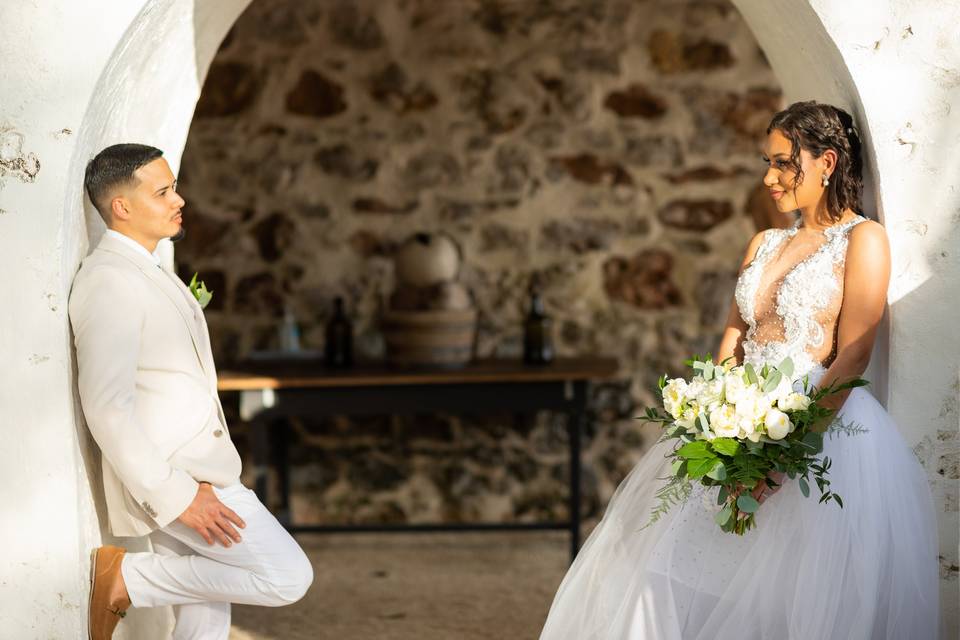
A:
(280, 446)
(575, 428)
(260, 441)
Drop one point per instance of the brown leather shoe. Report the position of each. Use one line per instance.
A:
(104, 574)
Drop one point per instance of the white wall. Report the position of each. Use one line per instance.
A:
(77, 76)
(74, 77)
(895, 65)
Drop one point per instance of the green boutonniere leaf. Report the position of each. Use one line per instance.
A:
(200, 292)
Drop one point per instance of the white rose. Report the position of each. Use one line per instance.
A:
(751, 408)
(674, 395)
(688, 419)
(733, 385)
(696, 386)
(712, 394)
(723, 421)
(793, 402)
(777, 423)
(782, 390)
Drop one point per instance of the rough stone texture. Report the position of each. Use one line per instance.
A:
(230, 88)
(672, 52)
(614, 163)
(636, 101)
(643, 280)
(315, 95)
(588, 168)
(695, 215)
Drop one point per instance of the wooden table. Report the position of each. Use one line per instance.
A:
(273, 390)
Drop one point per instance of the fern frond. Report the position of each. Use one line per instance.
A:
(675, 492)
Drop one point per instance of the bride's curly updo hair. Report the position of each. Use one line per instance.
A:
(817, 127)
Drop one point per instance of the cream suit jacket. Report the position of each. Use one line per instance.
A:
(148, 388)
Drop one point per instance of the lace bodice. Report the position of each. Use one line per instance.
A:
(790, 295)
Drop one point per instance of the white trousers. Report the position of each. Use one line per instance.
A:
(267, 567)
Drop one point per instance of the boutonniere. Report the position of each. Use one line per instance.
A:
(199, 291)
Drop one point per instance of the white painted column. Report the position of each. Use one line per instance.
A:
(74, 77)
(895, 65)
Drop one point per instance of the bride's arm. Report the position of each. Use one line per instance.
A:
(865, 281)
(736, 328)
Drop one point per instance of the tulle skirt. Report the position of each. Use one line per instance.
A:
(808, 571)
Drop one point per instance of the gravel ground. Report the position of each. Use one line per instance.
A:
(423, 586)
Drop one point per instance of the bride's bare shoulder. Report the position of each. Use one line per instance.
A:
(868, 252)
(869, 236)
(752, 248)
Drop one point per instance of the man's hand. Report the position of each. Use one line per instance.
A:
(211, 518)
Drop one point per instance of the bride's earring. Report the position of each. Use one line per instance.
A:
(824, 180)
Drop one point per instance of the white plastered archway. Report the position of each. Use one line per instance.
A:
(76, 77)
(895, 65)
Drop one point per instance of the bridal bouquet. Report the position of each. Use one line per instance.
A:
(734, 425)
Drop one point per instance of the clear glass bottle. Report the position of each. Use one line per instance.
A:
(289, 332)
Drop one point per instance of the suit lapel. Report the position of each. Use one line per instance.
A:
(200, 324)
(205, 350)
(166, 283)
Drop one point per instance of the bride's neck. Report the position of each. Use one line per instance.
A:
(817, 218)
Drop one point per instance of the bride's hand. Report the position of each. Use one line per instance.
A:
(763, 491)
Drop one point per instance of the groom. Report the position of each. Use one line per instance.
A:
(148, 388)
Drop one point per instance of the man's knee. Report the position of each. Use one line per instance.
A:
(296, 579)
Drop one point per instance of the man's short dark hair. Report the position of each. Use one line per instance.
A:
(112, 167)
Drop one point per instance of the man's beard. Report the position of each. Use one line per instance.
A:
(179, 235)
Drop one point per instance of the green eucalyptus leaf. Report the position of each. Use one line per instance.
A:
(804, 487)
(771, 383)
(702, 421)
(724, 516)
(786, 367)
(722, 495)
(747, 504)
(751, 374)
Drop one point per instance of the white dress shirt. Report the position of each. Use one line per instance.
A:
(136, 245)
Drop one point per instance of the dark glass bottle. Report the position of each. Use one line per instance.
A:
(338, 350)
(537, 330)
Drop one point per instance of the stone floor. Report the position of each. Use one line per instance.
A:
(464, 586)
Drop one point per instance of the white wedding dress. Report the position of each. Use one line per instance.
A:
(808, 571)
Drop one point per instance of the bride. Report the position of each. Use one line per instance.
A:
(814, 292)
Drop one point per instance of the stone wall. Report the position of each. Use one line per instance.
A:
(611, 147)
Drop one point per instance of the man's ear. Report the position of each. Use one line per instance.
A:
(118, 208)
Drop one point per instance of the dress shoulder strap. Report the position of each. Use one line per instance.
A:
(843, 230)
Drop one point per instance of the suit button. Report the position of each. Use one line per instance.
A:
(218, 433)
